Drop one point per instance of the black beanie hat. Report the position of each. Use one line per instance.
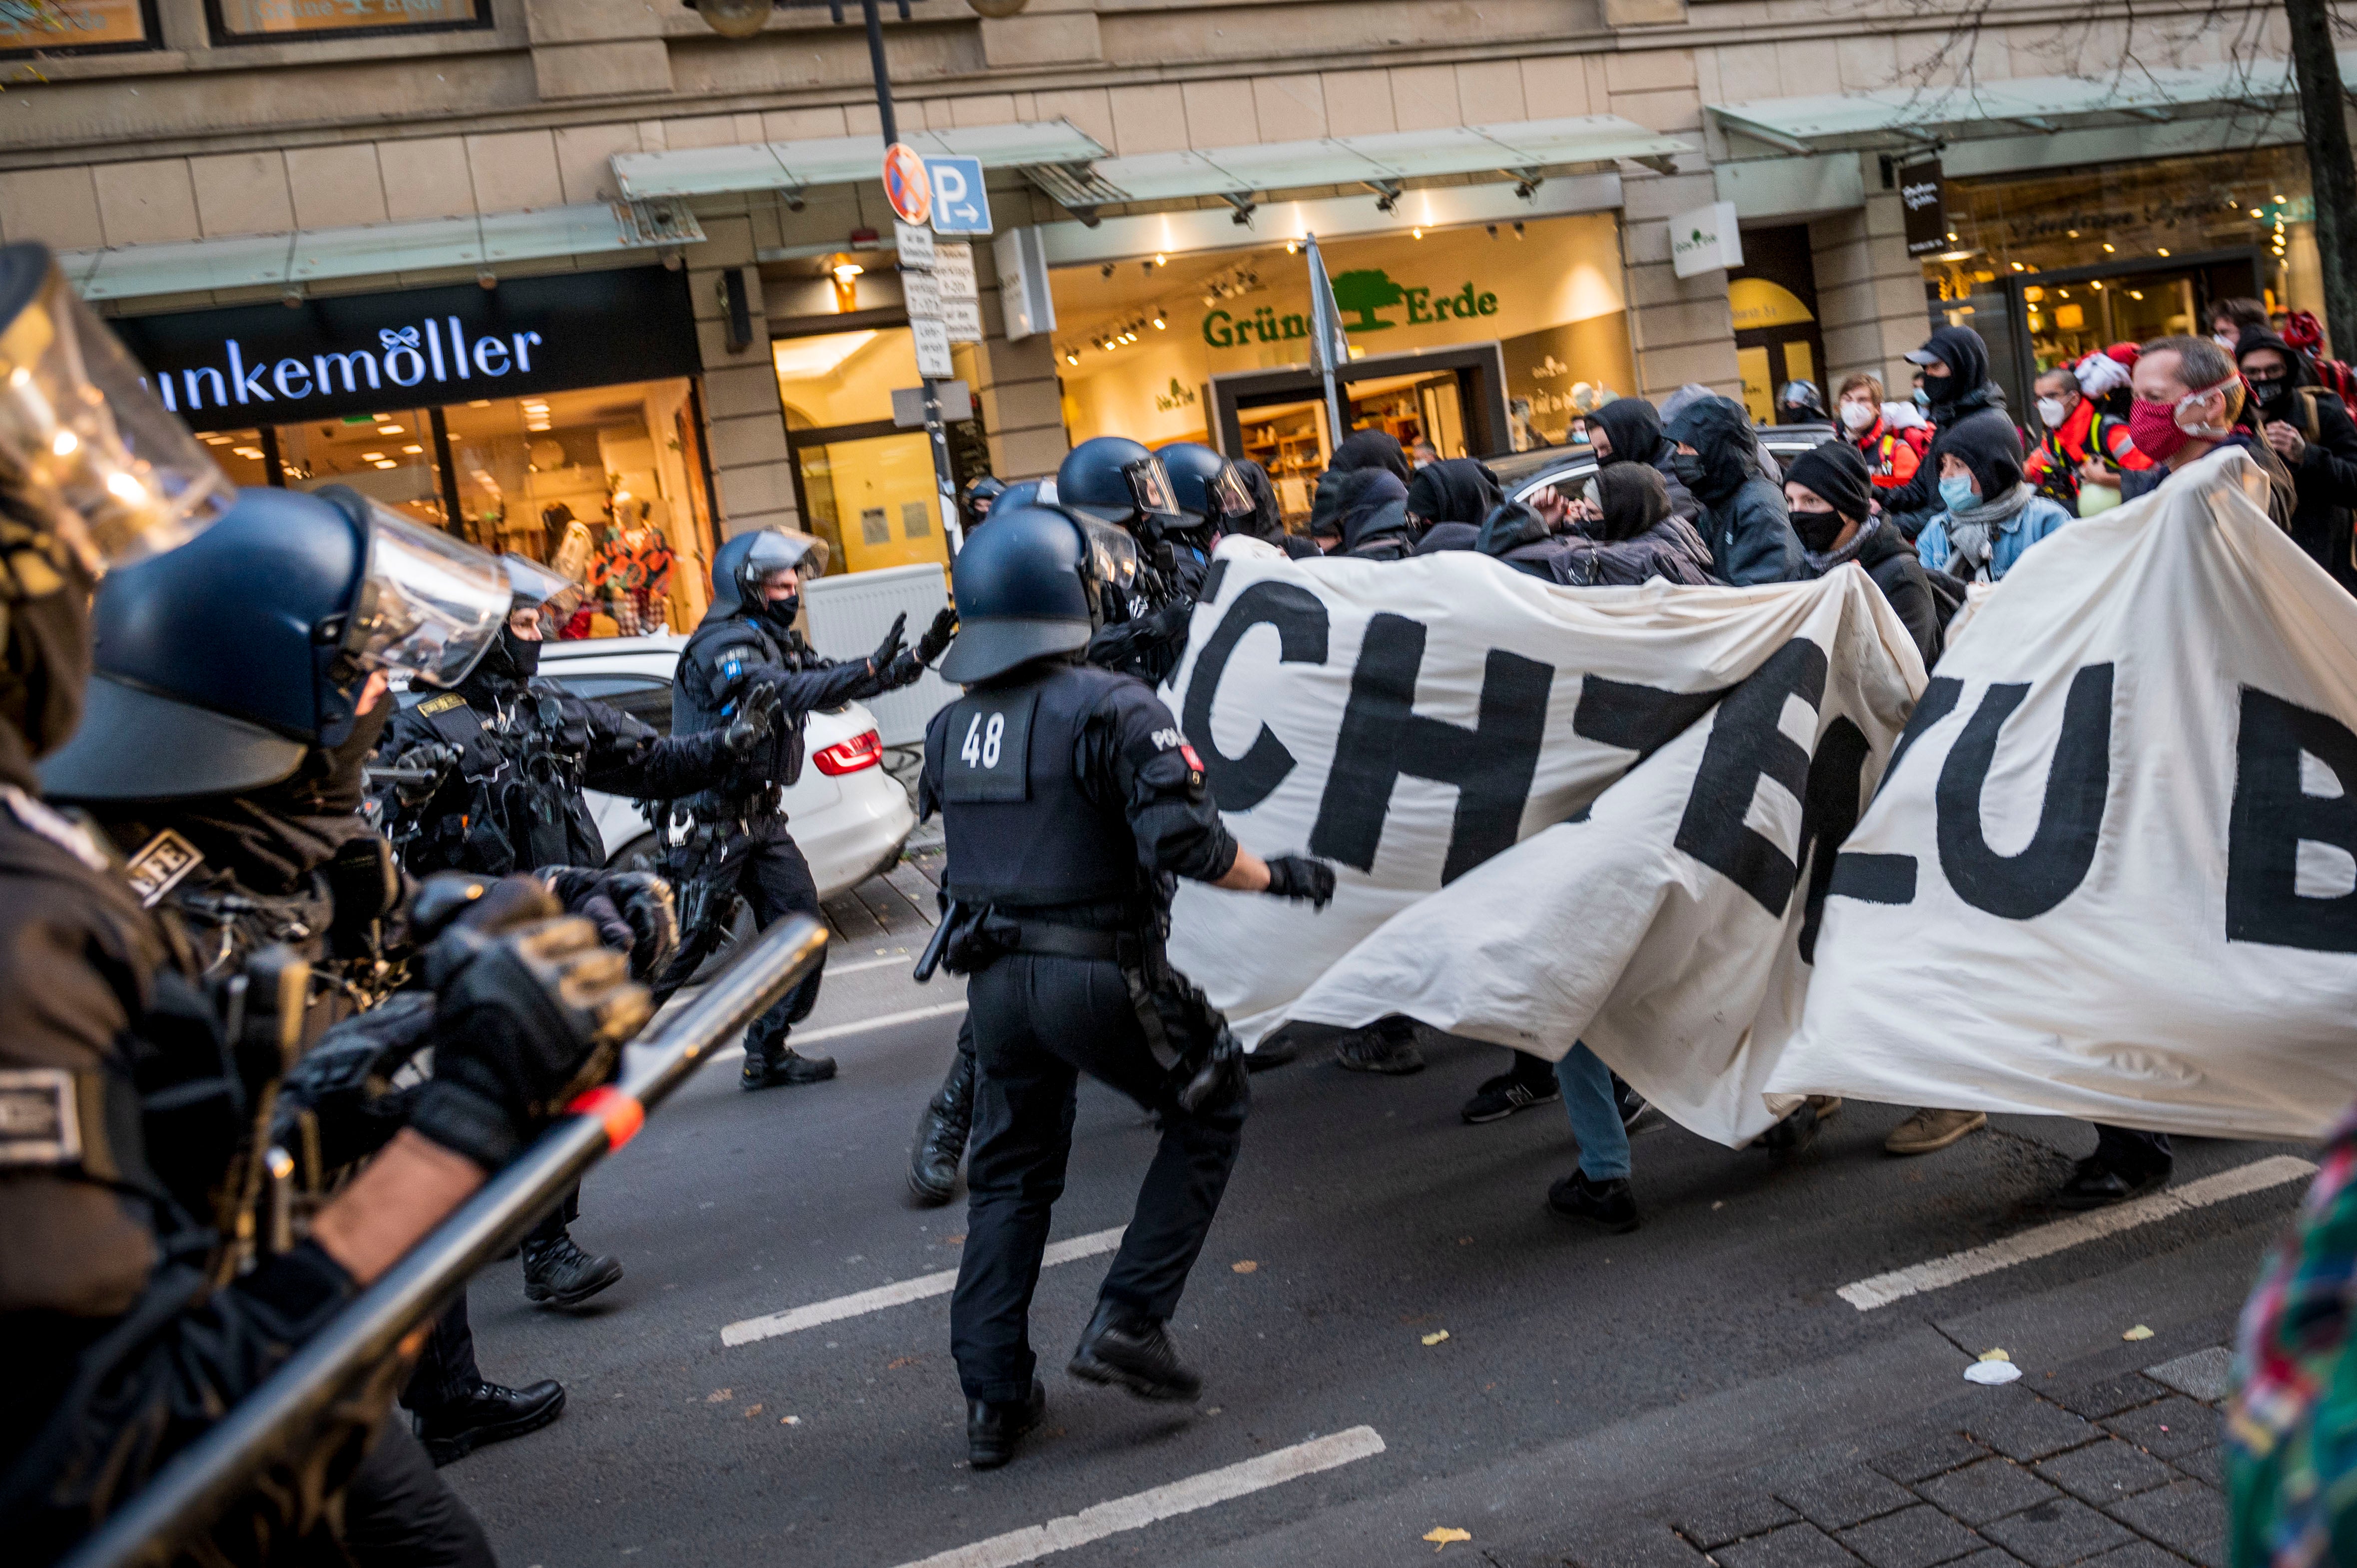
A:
(1837, 471)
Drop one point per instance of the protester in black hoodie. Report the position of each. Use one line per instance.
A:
(1515, 533)
(1830, 492)
(1267, 521)
(1371, 449)
(1743, 514)
(1956, 379)
(1622, 532)
(2309, 429)
(1363, 513)
(1453, 489)
(1627, 429)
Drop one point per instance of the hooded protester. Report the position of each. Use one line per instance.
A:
(2310, 430)
(1453, 489)
(1830, 492)
(1363, 512)
(1959, 396)
(1371, 449)
(1743, 515)
(1631, 536)
(1267, 521)
(1627, 429)
(1693, 392)
(1443, 536)
(1990, 515)
(1515, 533)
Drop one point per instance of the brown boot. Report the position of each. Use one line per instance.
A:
(1928, 1130)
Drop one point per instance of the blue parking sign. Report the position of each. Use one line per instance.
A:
(960, 205)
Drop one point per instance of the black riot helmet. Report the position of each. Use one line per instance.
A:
(222, 664)
(1115, 480)
(739, 567)
(1208, 488)
(982, 492)
(1027, 587)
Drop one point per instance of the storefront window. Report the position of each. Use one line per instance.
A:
(867, 486)
(75, 27)
(1140, 341)
(264, 21)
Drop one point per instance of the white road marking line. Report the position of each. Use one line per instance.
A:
(837, 1031)
(1957, 1267)
(801, 1317)
(890, 957)
(1142, 1508)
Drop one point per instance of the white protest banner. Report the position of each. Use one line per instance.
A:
(2113, 871)
(1427, 726)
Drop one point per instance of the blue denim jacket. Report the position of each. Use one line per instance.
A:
(2017, 533)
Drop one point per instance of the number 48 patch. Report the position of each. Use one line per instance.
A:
(989, 737)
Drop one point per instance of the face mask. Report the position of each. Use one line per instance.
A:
(2050, 412)
(1818, 530)
(1958, 492)
(780, 613)
(2224, 340)
(1923, 397)
(1687, 466)
(2160, 431)
(2269, 389)
(1858, 415)
(509, 657)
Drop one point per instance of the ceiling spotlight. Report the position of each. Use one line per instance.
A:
(1105, 271)
(487, 279)
(372, 456)
(2164, 249)
(292, 298)
(1291, 246)
(1518, 229)
(1160, 260)
(412, 451)
(1415, 234)
(387, 463)
(1071, 357)
(1157, 321)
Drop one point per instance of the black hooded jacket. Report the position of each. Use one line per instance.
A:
(1370, 449)
(2325, 473)
(1267, 521)
(1368, 507)
(1964, 399)
(1635, 431)
(1453, 489)
(1638, 538)
(1516, 535)
(1743, 519)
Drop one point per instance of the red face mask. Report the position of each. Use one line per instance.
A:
(2158, 429)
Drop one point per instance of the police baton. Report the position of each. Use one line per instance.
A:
(287, 1412)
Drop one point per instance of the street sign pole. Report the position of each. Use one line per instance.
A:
(944, 476)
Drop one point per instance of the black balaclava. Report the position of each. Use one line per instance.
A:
(1967, 357)
(45, 651)
(1633, 427)
(1720, 432)
(1453, 489)
(1633, 498)
(779, 613)
(1267, 521)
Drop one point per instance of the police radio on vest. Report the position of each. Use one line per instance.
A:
(406, 356)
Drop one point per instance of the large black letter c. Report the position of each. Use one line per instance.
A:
(1240, 783)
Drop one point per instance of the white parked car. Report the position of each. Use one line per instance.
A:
(1523, 475)
(849, 816)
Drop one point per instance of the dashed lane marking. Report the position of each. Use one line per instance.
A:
(2046, 1240)
(1142, 1508)
(863, 1302)
(801, 1037)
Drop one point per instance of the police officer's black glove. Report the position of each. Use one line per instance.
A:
(891, 648)
(645, 900)
(434, 761)
(342, 1087)
(937, 637)
(1297, 876)
(528, 1017)
(756, 714)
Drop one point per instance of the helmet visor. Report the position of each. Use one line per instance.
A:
(1113, 555)
(1229, 495)
(1149, 487)
(785, 549)
(535, 586)
(79, 425)
(428, 603)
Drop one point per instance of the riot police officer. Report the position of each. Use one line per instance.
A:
(982, 492)
(737, 842)
(1069, 799)
(133, 1312)
(487, 777)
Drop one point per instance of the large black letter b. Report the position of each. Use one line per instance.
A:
(2272, 814)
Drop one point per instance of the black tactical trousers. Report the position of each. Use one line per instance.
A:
(446, 1371)
(400, 1513)
(767, 866)
(1038, 1024)
(2140, 1153)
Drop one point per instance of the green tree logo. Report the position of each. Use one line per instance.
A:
(1366, 292)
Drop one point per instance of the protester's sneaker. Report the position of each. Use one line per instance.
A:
(1500, 1097)
(562, 1274)
(2097, 1184)
(488, 1413)
(1611, 1204)
(1798, 1130)
(1387, 1045)
(1929, 1131)
(764, 1071)
(1121, 1345)
(991, 1429)
(1636, 1112)
(1273, 1050)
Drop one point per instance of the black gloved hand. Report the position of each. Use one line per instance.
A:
(1297, 876)
(645, 900)
(756, 714)
(890, 648)
(937, 637)
(433, 760)
(528, 1017)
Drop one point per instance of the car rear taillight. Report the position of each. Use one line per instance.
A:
(865, 749)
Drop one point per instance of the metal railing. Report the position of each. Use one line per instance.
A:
(200, 1483)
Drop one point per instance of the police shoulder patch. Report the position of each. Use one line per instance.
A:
(160, 865)
(441, 705)
(40, 1122)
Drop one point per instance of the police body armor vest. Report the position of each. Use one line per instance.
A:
(533, 822)
(697, 703)
(1020, 832)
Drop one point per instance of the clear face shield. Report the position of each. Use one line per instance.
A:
(1231, 497)
(784, 549)
(1150, 488)
(83, 435)
(428, 603)
(535, 586)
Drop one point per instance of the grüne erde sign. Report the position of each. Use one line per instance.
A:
(265, 364)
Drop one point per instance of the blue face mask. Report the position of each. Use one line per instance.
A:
(1958, 492)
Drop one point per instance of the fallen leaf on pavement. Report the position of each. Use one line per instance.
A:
(1995, 1356)
(2139, 1332)
(1444, 1535)
(751, 1411)
(718, 1396)
(903, 1361)
(1435, 1339)
(790, 1421)
(1245, 1267)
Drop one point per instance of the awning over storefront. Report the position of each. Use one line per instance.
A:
(368, 250)
(1520, 149)
(840, 160)
(1894, 118)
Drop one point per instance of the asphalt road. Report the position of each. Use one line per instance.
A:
(1364, 1219)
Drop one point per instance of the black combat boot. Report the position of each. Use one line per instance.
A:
(940, 1136)
(488, 1413)
(1123, 1346)
(562, 1274)
(768, 1067)
(990, 1429)
(2099, 1181)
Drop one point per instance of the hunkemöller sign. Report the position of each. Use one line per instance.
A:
(268, 365)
